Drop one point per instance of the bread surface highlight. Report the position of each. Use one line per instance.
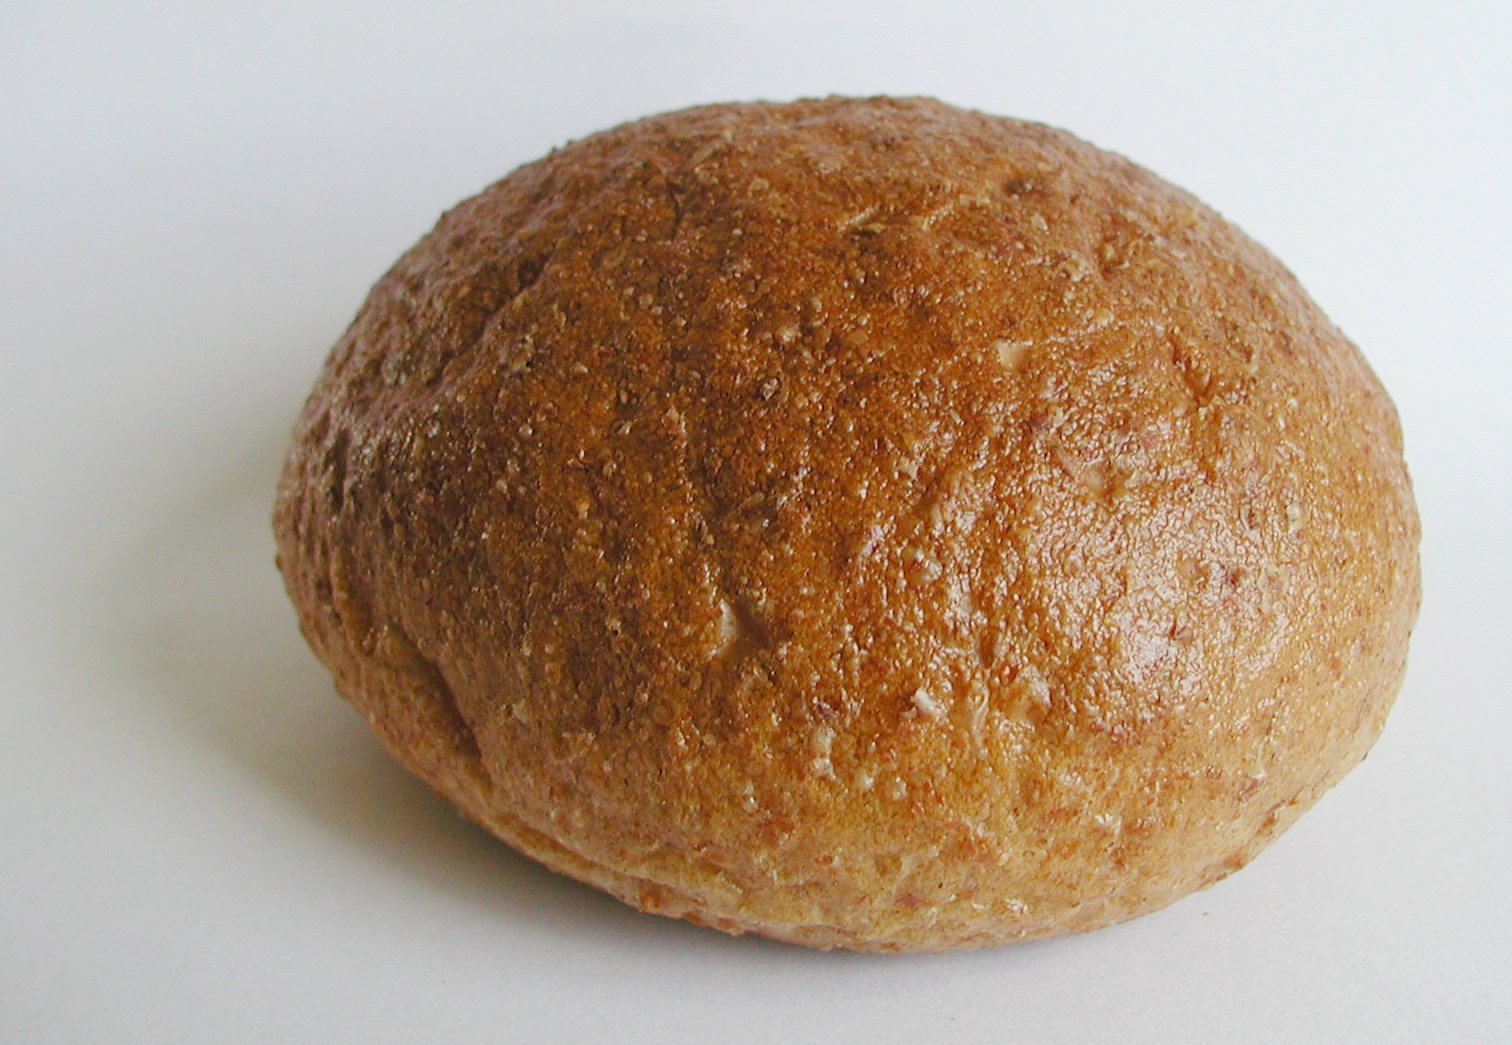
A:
(866, 523)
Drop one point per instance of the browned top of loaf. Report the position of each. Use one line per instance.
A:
(768, 485)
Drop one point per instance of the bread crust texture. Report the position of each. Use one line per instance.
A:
(863, 522)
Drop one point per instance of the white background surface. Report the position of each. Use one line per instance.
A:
(198, 840)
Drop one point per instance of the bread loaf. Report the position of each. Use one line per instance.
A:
(866, 523)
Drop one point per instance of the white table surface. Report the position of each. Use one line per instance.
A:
(199, 841)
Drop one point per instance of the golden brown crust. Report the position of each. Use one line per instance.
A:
(862, 522)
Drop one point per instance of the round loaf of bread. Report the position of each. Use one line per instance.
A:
(866, 523)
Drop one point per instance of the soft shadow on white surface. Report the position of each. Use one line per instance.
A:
(192, 621)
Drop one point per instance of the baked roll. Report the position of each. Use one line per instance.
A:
(866, 523)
